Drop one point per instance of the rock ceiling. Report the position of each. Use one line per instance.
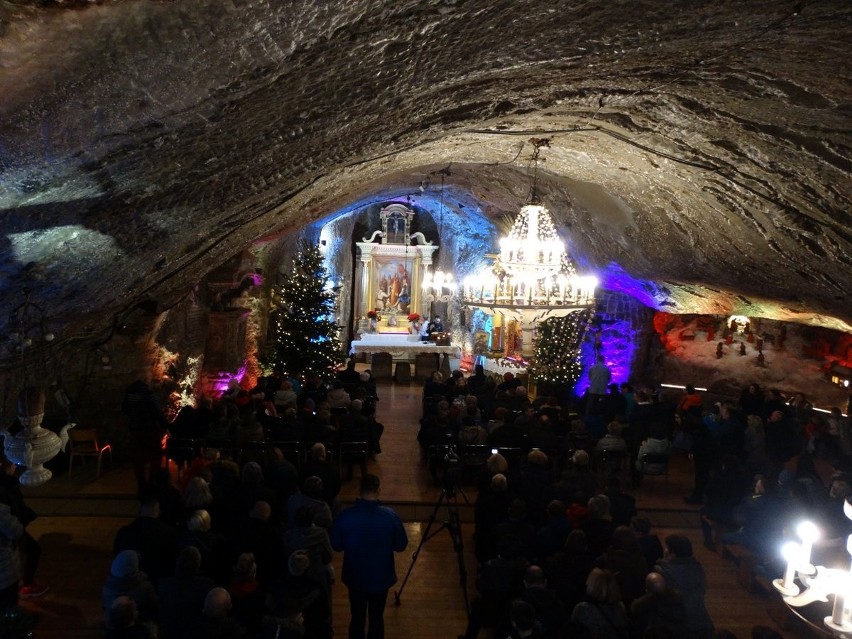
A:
(699, 152)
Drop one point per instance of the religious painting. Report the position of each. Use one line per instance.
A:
(393, 285)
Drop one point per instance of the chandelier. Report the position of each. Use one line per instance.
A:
(532, 271)
(804, 583)
(438, 286)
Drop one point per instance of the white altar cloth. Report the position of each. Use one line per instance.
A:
(399, 345)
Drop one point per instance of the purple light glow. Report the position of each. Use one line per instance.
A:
(224, 379)
(615, 278)
(619, 338)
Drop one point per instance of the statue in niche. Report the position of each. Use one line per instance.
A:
(480, 343)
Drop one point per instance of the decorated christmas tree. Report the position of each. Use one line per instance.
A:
(304, 339)
(557, 365)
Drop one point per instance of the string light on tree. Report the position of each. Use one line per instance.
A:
(304, 338)
(557, 360)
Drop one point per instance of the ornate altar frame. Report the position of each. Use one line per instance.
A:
(390, 271)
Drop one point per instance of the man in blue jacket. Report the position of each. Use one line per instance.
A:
(368, 534)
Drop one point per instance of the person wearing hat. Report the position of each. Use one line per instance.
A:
(368, 534)
(125, 578)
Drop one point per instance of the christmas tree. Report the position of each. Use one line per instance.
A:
(557, 363)
(304, 339)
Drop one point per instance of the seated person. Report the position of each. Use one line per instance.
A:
(435, 326)
(657, 444)
(612, 440)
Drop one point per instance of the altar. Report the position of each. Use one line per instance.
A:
(400, 346)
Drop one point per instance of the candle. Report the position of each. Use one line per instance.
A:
(809, 533)
(791, 552)
(837, 610)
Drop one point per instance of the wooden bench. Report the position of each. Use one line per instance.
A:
(745, 560)
(717, 529)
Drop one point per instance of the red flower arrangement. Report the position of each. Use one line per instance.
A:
(374, 314)
(413, 317)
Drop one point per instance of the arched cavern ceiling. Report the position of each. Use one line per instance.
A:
(699, 155)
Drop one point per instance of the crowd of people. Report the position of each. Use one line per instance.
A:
(239, 555)
(559, 522)
(240, 547)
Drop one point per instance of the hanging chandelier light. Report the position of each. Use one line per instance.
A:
(532, 270)
(439, 286)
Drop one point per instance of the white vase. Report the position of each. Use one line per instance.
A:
(33, 445)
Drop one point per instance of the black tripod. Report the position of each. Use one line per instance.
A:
(451, 524)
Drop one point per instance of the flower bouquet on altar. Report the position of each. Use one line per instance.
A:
(414, 320)
(374, 318)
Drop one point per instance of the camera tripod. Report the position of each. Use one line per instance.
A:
(453, 525)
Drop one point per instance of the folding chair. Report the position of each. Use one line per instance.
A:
(82, 443)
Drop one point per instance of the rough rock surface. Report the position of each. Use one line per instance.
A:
(699, 156)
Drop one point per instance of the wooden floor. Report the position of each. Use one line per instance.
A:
(79, 517)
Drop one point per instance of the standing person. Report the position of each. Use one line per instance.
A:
(10, 532)
(28, 548)
(147, 424)
(368, 534)
(599, 379)
(683, 573)
(691, 402)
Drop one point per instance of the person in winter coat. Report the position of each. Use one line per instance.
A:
(11, 530)
(368, 534)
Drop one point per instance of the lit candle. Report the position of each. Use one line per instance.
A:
(837, 610)
(809, 533)
(849, 549)
(791, 553)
